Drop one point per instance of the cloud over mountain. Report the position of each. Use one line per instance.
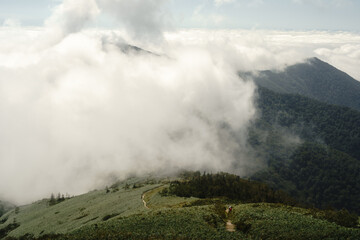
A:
(77, 109)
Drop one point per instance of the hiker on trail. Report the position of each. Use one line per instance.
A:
(230, 209)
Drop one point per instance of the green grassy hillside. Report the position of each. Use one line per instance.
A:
(120, 213)
(40, 218)
(276, 221)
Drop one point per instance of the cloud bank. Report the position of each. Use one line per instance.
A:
(85, 107)
(249, 50)
(86, 111)
(144, 20)
(71, 16)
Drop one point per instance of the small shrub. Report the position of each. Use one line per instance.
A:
(201, 202)
(342, 218)
(164, 192)
(27, 236)
(243, 226)
(219, 209)
(4, 231)
(51, 236)
(212, 220)
(137, 185)
(107, 217)
(82, 216)
(92, 219)
(2, 221)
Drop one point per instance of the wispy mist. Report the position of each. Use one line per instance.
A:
(80, 106)
(142, 20)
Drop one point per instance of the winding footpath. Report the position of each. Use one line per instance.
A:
(229, 226)
(144, 194)
(143, 199)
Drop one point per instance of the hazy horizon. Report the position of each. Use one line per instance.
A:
(296, 15)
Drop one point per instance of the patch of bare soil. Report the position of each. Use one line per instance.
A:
(229, 226)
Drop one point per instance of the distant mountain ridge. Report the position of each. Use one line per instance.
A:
(314, 79)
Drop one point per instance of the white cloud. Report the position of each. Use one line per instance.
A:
(79, 111)
(11, 22)
(255, 3)
(251, 50)
(221, 2)
(324, 3)
(345, 57)
(145, 20)
(71, 17)
(249, 3)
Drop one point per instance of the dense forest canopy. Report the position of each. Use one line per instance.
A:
(230, 186)
(319, 161)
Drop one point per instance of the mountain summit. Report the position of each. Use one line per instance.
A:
(314, 79)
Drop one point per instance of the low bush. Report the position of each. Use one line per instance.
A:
(342, 218)
(4, 231)
(107, 217)
(243, 226)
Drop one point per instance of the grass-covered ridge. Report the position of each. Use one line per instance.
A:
(41, 218)
(119, 212)
(276, 221)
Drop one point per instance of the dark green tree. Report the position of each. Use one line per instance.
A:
(52, 200)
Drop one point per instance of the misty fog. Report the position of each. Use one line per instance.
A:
(80, 107)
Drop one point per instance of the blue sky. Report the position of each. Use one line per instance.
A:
(271, 14)
(249, 14)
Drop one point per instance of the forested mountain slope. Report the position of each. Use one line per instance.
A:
(311, 148)
(315, 79)
(335, 126)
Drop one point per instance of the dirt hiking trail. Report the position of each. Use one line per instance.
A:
(150, 191)
(143, 199)
(229, 226)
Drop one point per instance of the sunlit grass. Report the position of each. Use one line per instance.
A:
(119, 213)
(40, 218)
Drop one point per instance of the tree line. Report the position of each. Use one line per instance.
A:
(230, 186)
